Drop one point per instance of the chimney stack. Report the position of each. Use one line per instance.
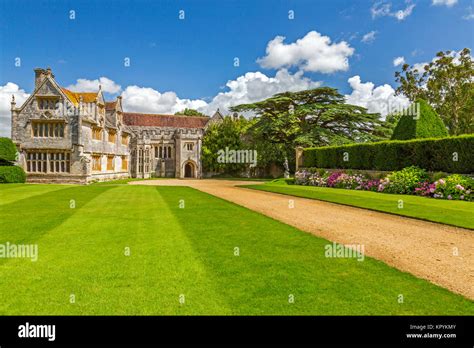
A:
(39, 76)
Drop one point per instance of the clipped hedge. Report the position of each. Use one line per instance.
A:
(427, 125)
(432, 154)
(11, 174)
(7, 150)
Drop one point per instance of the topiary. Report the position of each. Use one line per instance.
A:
(425, 124)
(7, 151)
(12, 174)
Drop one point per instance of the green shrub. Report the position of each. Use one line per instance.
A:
(427, 125)
(11, 174)
(405, 180)
(455, 187)
(450, 155)
(7, 151)
(438, 175)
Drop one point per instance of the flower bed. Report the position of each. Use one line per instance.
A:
(410, 180)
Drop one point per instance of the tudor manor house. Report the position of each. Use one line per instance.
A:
(78, 137)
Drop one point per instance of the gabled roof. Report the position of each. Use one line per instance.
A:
(158, 120)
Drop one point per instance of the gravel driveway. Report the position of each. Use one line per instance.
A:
(442, 254)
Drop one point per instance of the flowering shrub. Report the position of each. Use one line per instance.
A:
(332, 179)
(454, 187)
(410, 180)
(348, 181)
(425, 189)
(301, 177)
(404, 181)
(370, 185)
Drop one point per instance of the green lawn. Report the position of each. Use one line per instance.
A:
(187, 251)
(456, 213)
(123, 181)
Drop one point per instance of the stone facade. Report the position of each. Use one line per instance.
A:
(78, 137)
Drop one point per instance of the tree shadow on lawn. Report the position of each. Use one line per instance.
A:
(277, 262)
(25, 221)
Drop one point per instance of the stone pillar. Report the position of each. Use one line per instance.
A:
(14, 119)
(178, 155)
(299, 157)
(198, 156)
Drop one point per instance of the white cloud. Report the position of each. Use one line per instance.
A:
(6, 93)
(255, 86)
(149, 100)
(381, 99)
(382, 9)
(248, 88)
(447, 3)
(402, 14)
(420, 67)
(369, 37)
(85, 85)
(313, 52)
(398, 61)
(470, 13)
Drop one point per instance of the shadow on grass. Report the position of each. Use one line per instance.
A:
(27, 220)
(276, 261)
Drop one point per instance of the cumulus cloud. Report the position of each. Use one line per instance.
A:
(383, 9)
(381, 99)
(255, 86)
(85, 85)
(398, 61)
(149, 100)
(447, 3)
(6, 93)
(314, 52)
(369, 37)
(248, 88)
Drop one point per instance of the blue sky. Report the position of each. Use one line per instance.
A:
(194, 57)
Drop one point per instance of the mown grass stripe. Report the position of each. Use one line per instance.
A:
(190, 251)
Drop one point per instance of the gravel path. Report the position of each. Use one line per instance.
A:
(424, 249)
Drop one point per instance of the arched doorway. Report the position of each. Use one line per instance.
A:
(189, 170)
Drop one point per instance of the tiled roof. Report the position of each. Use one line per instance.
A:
(110, 105)
(87, 97)
(156, 120)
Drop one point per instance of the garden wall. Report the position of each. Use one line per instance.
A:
(450, 155)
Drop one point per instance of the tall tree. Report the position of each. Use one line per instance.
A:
(447, 83)
(318, 116)
(227, 133)
(190, 112)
